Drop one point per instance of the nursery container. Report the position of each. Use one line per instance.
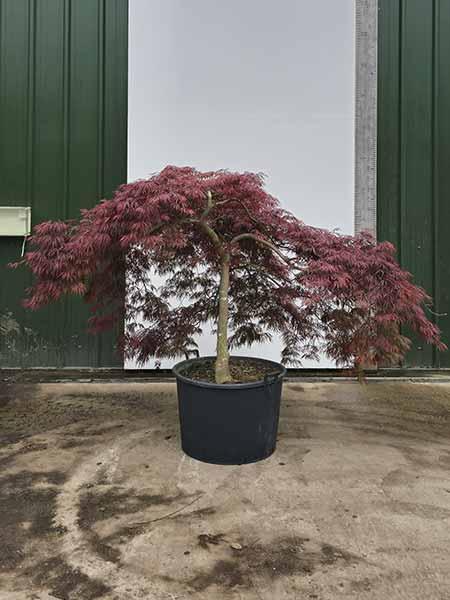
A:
(229, 424)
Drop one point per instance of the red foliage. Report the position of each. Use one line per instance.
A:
(323, 292)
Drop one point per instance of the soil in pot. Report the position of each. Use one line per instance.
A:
(243, 370)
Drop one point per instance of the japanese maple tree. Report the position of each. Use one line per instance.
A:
(229, 255)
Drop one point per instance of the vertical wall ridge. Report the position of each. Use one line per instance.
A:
(398, 109)
(435, 158)
(101, 122)
(31, 99)
(66, 102)
(101, 97)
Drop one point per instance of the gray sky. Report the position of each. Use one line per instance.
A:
(259, 85)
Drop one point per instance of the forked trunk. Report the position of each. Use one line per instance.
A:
(222, 372)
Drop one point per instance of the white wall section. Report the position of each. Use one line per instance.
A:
(253, 85)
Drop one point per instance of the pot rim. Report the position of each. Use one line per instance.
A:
(268, 380)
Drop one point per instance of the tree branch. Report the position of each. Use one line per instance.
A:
(250, 216)
(209, 206)
(265, 273)
(251, 236)
(213, 235)
(167, 224)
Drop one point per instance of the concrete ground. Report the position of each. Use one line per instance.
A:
(98, 501)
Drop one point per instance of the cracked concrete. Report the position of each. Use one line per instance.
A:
(98, 501)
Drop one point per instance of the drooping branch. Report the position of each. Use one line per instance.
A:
(251, 236)
(250, 216)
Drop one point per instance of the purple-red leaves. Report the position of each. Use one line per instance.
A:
(321, 291)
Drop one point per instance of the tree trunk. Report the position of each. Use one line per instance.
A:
(223, 357)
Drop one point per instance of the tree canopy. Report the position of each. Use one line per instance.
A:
(323, 292)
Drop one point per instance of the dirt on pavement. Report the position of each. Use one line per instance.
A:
(98, 501)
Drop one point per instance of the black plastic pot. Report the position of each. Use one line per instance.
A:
(229, 424)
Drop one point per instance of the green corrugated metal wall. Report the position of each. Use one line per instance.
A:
(413, 184)
(63, 123)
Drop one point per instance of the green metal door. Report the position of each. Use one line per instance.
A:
(413, 170)
(63, 124)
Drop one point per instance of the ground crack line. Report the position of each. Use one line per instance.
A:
(171, 514)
